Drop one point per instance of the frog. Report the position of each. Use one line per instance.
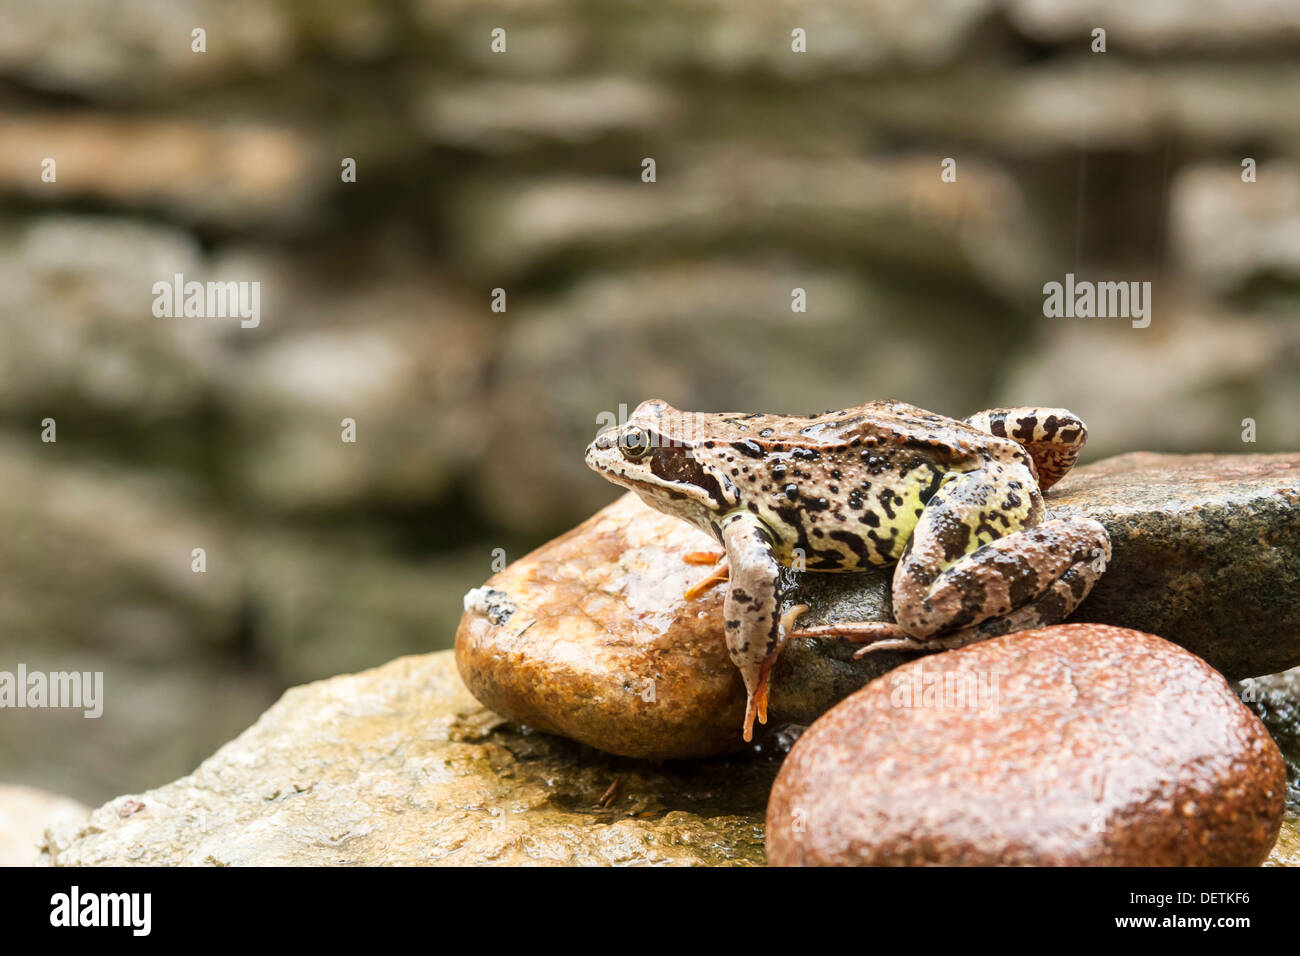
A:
(956, 506)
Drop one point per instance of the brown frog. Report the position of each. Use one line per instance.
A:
(957, 505)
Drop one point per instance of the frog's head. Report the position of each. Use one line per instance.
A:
(663, 454)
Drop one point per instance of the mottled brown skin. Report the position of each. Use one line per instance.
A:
(957, 505)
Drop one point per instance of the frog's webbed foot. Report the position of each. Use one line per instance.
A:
(928, 645)
(1052, 436)
(756, 706)
(720, 573)
(756, 703)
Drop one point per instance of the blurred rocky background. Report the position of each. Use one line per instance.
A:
(522, 171)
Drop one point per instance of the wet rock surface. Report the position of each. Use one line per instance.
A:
(1286, 852)
(1276, 701)
(601, 647)
(1084, 744)
(590, 637)
(400, 765)
(1206, 553)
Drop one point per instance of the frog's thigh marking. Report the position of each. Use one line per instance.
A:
(938, 587)
(751, 608)
(1053, 605)
(1052, 436)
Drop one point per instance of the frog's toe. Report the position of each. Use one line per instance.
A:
(790, 616)
(929, 645)
(756, 704)
(906, 645)
(861, 632)
(703, 557)
(752, 710)
(715, 577)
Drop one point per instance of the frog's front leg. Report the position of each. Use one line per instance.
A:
(751, 609)
(982, 561)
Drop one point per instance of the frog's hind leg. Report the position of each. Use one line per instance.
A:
(1050, 607)
(1052, 436)
(959, 581)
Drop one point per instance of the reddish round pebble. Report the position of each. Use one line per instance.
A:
(1080, 744)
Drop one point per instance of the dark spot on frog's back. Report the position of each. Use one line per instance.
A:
(876, 464)
(749, 448)
(888, 500)
(912, 464)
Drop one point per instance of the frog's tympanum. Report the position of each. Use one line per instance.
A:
(957, 504)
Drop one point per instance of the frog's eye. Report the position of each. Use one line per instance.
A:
(634, 442)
